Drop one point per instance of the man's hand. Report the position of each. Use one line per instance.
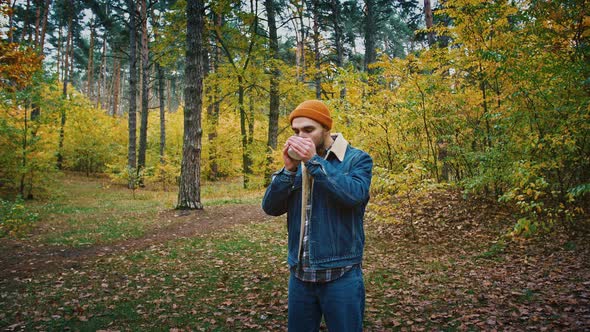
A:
(304, 147)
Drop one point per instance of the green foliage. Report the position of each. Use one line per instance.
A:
(15, 219)
(27, 142)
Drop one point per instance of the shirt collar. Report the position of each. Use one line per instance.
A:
(339, 146)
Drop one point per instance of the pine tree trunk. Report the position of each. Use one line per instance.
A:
(429, 22)
(144, 90)
(116, 85)
(273, 113)
(90, 73)
(370, 32)
(213, 108)
(316, 49)
(58, 61)
(11, 22)
(244, 133)
(102, 74)
(38, 4)
(26, 29)
(161, 93)
(189, 193)
(338, 41)
(160, 72)
(131, 154)
(44, 25)
(69, 47)
(301, 42)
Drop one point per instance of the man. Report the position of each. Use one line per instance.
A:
(326, 235)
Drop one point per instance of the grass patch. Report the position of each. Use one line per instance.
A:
(92, 211)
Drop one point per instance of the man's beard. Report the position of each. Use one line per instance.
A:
(320, 148)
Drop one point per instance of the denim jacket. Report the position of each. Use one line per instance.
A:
(340, 194)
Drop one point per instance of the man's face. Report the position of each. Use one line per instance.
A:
(308, 128)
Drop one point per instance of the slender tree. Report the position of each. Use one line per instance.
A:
(316, 48)
(144, 89)
(44, 25)
(90, 73)
(189, 193)
(214, 102)
(429, 22)
(69, 50)
(240, 71)
(101, 86)
(116, 85)
(370, 32)
(338, 38)
(131, 155)
(275, 74)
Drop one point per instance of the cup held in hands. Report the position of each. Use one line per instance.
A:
(293, 154)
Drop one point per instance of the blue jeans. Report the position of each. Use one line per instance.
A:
(341, 302)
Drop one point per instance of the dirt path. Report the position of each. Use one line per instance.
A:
(22, 260)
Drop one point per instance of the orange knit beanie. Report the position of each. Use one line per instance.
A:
(315, 110)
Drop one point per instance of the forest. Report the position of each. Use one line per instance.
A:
(133, 114)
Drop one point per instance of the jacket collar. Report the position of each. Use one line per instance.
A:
(338, 148)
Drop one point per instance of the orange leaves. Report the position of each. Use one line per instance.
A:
(17, 65)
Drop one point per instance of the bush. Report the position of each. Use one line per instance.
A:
(15, 220)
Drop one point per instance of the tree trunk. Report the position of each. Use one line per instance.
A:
(144, 90)
(102, 73)
(11, 22)
(429, 22)
(44, 25)
(161, 92)
(131, 156)
(38, 4)
(370, 32)
(26, 23)
(189, 193)
(301, 42)
(58, 61)
(169, 95)
(316, 49)
(246, 169)
(90, 72)
(116, 85)
(213, 107)
(24, 157)
(338, 41)
(162, 112)
(273, 113)
(65, 85)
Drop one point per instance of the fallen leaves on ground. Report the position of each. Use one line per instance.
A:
(455, 272)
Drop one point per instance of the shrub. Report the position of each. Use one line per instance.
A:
(15, 220)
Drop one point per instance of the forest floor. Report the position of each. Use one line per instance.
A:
(101, 258)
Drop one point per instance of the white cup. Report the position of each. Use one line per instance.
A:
(293, 154)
